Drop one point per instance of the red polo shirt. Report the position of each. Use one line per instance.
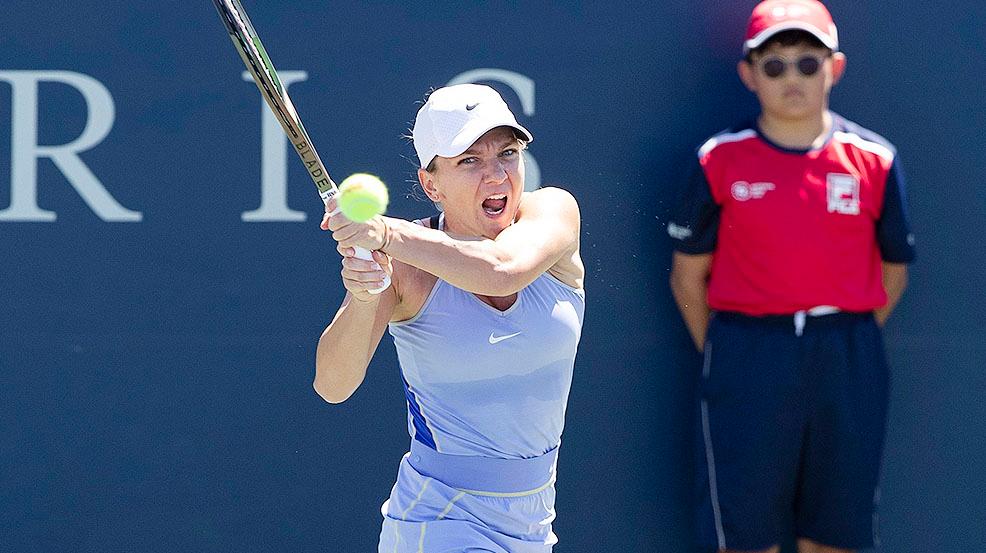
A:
(791, 230)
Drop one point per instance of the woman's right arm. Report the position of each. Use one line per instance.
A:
(348, 343)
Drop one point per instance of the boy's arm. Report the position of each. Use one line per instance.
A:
(896, 240)
(894, 282)
(689, 284)
(694, 228)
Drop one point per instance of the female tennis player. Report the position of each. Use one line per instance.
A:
(486, 311)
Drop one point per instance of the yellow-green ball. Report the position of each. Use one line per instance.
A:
(362, 196)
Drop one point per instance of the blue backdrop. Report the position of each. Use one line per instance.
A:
(156, 344)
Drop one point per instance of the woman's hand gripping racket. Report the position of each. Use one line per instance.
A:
(245, 39)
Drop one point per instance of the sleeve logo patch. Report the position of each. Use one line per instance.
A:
(679, 232)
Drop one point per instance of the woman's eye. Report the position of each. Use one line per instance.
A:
(509, 152)
(467, 161)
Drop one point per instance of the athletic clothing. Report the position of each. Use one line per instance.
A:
(449, 504)
(480, 381)
(791, 230)
(793, 395)
(790, 424)
(486, 394)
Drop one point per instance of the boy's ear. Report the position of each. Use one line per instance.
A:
(745, 70)
(427, 181)
(838, 66)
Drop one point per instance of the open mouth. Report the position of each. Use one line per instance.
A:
(495, 204)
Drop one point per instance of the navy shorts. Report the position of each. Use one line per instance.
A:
(791, 427)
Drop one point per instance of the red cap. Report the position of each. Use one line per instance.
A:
(774, 16)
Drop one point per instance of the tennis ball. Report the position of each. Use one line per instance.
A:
(362, 196)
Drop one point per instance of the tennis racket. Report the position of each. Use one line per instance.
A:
(254, 55)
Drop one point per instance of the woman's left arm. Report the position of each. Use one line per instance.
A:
(545, 233)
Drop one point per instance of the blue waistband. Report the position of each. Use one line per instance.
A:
(839, 317)
(485, 475)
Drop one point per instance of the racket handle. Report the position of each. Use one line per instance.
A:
(362, 253)
(365, 254)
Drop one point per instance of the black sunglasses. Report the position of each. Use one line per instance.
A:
(775, 67)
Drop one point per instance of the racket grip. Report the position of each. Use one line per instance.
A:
(365, 254)
(361, 253)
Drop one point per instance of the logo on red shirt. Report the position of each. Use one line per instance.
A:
(743, 191)
(843, 194)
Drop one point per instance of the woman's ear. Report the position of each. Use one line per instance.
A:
(427, 181)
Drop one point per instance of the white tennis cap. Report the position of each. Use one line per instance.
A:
(456, 116)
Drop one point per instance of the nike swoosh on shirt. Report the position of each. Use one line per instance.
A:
(498, 339)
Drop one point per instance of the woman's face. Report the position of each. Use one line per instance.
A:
(480, 189)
